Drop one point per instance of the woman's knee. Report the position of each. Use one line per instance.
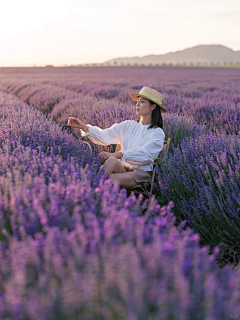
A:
(112, 160)
(115, 164)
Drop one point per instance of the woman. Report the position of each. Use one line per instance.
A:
(141, 140)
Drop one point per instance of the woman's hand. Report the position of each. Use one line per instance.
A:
(105, 155)
(74, 122)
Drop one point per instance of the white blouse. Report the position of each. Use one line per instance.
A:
(139, 146)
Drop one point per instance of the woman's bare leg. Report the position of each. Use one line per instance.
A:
(113, 165)
(117, 172)
(125, 179)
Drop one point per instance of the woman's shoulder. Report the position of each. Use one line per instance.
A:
(158, 131)
(129, 122)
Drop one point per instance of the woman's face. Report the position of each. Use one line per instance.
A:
(143, 107)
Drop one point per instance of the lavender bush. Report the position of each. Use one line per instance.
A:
(202, 178)
(104, 113)
(210, 95)
(31, 128)
(219, 111)
(142, 268)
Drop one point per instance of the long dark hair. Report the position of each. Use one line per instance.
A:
(157, 120)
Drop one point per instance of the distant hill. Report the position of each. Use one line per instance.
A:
(198, 55)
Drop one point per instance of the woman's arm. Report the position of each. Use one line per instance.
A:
(144, 154)
(105, 155)
(107, 134)
(104, 137)
(117, 155)
(76, 123)
(84, 127)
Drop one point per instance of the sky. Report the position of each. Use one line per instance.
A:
(70, 32)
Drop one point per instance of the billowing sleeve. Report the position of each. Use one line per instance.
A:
(106, 136)
(146, 153)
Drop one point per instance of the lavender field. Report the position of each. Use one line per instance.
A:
(73, 244)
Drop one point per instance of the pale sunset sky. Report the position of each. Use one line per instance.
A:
(61, 32)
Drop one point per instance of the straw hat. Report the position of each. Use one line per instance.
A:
(150, 94)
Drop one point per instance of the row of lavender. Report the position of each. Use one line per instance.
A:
(206, 165)
(202, 178)
(74, 246)
(219, 110)
(210, 96)
(59, 104)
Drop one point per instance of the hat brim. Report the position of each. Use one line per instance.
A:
(135, 96)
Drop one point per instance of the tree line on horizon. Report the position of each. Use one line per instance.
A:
(115, 63)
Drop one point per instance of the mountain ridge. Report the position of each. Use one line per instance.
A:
(200, 54)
